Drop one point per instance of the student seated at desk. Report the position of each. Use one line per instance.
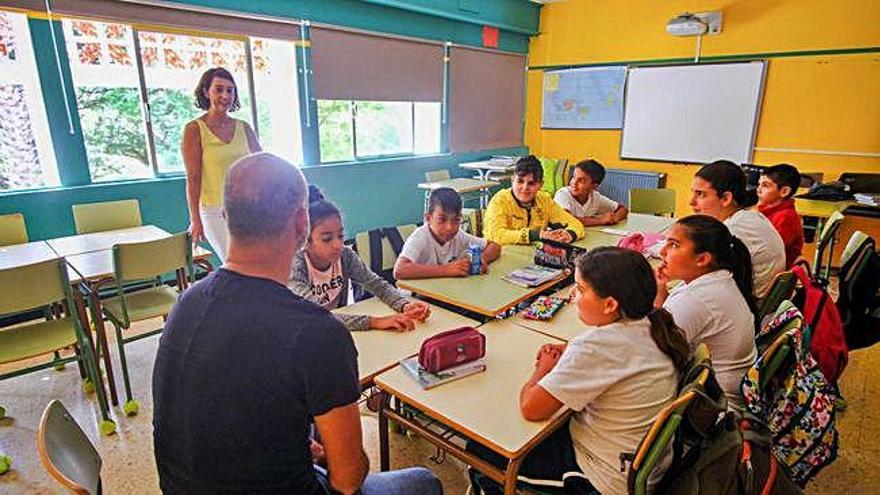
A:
(322, 273)
(776, 189)
(439, 248)
(524, 213)
(715, 304)
(616, 376)
(582, 199)
(719, 190)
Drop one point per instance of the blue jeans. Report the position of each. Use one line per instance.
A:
(409, 481)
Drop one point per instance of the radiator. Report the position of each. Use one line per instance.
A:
(618, 182)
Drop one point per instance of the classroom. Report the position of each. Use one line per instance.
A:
(439, 246)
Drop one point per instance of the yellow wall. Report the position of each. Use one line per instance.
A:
(819, 102)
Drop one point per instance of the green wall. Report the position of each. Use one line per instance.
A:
(370, 193)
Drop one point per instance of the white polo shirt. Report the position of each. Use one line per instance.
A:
(711, 310)
(764, 244)
(421, 247)
(616, 380)
(595, 205)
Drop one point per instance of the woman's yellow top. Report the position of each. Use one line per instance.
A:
(217, 157)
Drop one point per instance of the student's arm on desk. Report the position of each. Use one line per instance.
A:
(535, 402)
(347, 464)
(405, 268)
(610, 218)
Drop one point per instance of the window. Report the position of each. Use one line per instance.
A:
(27, 159)
(360, 129)
(125, 113)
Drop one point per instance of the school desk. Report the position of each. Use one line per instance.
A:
(379, 350)
(461, 185)
(634, 222)
(16, 255)
(490, 169)
(483, 407)
(99, 241)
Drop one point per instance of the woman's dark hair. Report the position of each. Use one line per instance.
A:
(208, 76)
(710, 235)
(319, 208)
(726, 176)
(602, 267)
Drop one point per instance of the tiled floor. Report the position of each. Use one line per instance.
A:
(128, 455)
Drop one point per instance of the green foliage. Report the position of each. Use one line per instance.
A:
(170, 110)
(335, 130)
(113, 132)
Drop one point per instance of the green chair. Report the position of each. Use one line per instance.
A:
(652, 201)
(12, 229)
(388, 253)
(554, 174)
(145, 262)
(109, 215)
(781, 289)
(827, 239)
(67, 453)
(853, 246)
(437, 175)
(44, 285)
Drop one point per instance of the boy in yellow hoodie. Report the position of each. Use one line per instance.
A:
(524, 214)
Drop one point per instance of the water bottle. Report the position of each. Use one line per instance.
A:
(476, 258)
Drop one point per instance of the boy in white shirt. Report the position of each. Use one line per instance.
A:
(439, 248)
(582, 199)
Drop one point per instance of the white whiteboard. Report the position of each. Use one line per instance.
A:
(692, 113)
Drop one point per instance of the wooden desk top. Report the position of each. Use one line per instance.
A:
(487, 294)
(494, 166)
(460, 184)
(485, 406)
(819, 208)
(96, 265)
(634, 222)
(25, 254)
(99, 241)
(379, 350)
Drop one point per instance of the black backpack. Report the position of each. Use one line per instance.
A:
(376, 257)
(859, 301)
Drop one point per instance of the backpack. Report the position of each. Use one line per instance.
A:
(735, 458)
(827, 342)
(859, 298)
(787, 390)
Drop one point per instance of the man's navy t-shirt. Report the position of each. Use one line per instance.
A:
(242, 368)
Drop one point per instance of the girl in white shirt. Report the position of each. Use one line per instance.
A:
(715, 304)
(617, 376)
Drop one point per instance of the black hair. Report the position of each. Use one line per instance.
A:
(602, 267)
(783, 175)
(726, 176)
(208, 76)
(529, 165)
(447, 199)
(319, 208)
(592, 168)
(710, 235)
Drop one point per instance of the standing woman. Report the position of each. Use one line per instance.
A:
(211, 144)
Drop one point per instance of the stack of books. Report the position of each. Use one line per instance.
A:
(532, 275)
(427, 380)
(867, 199)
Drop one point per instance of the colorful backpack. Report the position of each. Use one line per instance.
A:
(828, 342)
(787, 390)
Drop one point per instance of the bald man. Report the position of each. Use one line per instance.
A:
(244, 365)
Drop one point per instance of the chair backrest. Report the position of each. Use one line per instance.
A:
(148, 259)
(854, 245)
(32, 286)
(437, 175)
(67, 453)
(782, 288)
(389, 256)
(826, 239)
(109, 215)
(652, 201)
(12, 229)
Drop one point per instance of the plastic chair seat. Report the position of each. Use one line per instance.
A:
(27, 341)
(143, 304)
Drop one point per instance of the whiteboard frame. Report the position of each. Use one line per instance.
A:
(593, 67)
(757, 115)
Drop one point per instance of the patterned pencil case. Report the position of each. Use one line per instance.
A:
(543, 308)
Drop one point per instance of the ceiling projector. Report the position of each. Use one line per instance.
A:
(686, 25)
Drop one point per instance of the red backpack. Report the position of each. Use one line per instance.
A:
(827, 340)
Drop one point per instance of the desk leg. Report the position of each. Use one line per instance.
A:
(100, 330)
(384, 454)
(80, 304)
(511, 474)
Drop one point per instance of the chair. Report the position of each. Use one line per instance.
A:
(781, 289)
(43, 285)
(652, 201)
(141, 262)
(437, 175)
(12, 229)
(109, 215)
(859, 301)
(67, 453)
(381, 245)
(827, 239)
